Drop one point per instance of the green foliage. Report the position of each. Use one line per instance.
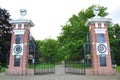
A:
(77, 66)
(74, 33)
(48, 50)
(3, 69)
(118, 69)
(5, 35)
(114, 37)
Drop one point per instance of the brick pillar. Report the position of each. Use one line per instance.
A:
(19, 47)
(100, 47)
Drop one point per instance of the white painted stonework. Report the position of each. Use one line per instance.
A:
(19, 32)
(102, 25)
(98, 20)
(22, 27)
(100, 31)
(22, 21)
(16, 26)
(96, 25)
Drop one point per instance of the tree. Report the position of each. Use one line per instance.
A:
(74, 33)
(114, 37)
(48, 50)
(5, 35)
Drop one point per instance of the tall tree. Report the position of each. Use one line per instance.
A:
(74, 33)
(5, 35)
(114, 37)
(48, 50)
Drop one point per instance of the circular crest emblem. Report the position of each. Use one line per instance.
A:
(17, 49)
(102, 48)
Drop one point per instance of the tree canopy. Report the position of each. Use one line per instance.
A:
(48, 50)
(5, 34)
(114, 37)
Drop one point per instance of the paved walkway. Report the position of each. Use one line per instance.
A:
(60, 69)
(60, 75)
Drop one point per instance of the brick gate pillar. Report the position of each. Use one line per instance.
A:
(100, 47)
(19, 45)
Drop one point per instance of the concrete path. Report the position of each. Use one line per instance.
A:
(60, 69)
(60, 75)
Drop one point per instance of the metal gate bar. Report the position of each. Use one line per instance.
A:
(74, 67)
(45, 68)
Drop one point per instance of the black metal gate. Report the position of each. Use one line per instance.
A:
(75, 67)
(44, 67)
(40, 64)
(81, 63)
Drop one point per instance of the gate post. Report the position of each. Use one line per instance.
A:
(100, 47)
(19, 45)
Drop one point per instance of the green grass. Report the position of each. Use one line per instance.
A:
(78, 66)
(42, 66)
(118, 69)
(3, 69)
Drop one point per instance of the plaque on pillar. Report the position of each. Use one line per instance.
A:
(16, 60)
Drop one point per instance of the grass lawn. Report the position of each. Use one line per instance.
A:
(78, 66)
(42, 66)
(3, 69)
(118, 69)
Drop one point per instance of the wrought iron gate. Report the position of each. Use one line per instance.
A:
(44, 67)
(82, 63)
(75, 67)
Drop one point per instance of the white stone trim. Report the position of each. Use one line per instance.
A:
(90, 27)
(100, 31)
(22, 27)
(19, 32)
(98, 20)
(20, 21)
(16, 26)
(96, 25)
(102, 25)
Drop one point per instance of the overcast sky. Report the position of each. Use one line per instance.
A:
(49, 15)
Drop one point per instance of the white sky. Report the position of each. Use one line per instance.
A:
(49, 15)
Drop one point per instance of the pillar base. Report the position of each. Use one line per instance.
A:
(16, 72)
(20, 72)
(104, 71)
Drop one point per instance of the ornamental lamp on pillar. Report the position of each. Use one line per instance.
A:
(19, 45)
(100, 47)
